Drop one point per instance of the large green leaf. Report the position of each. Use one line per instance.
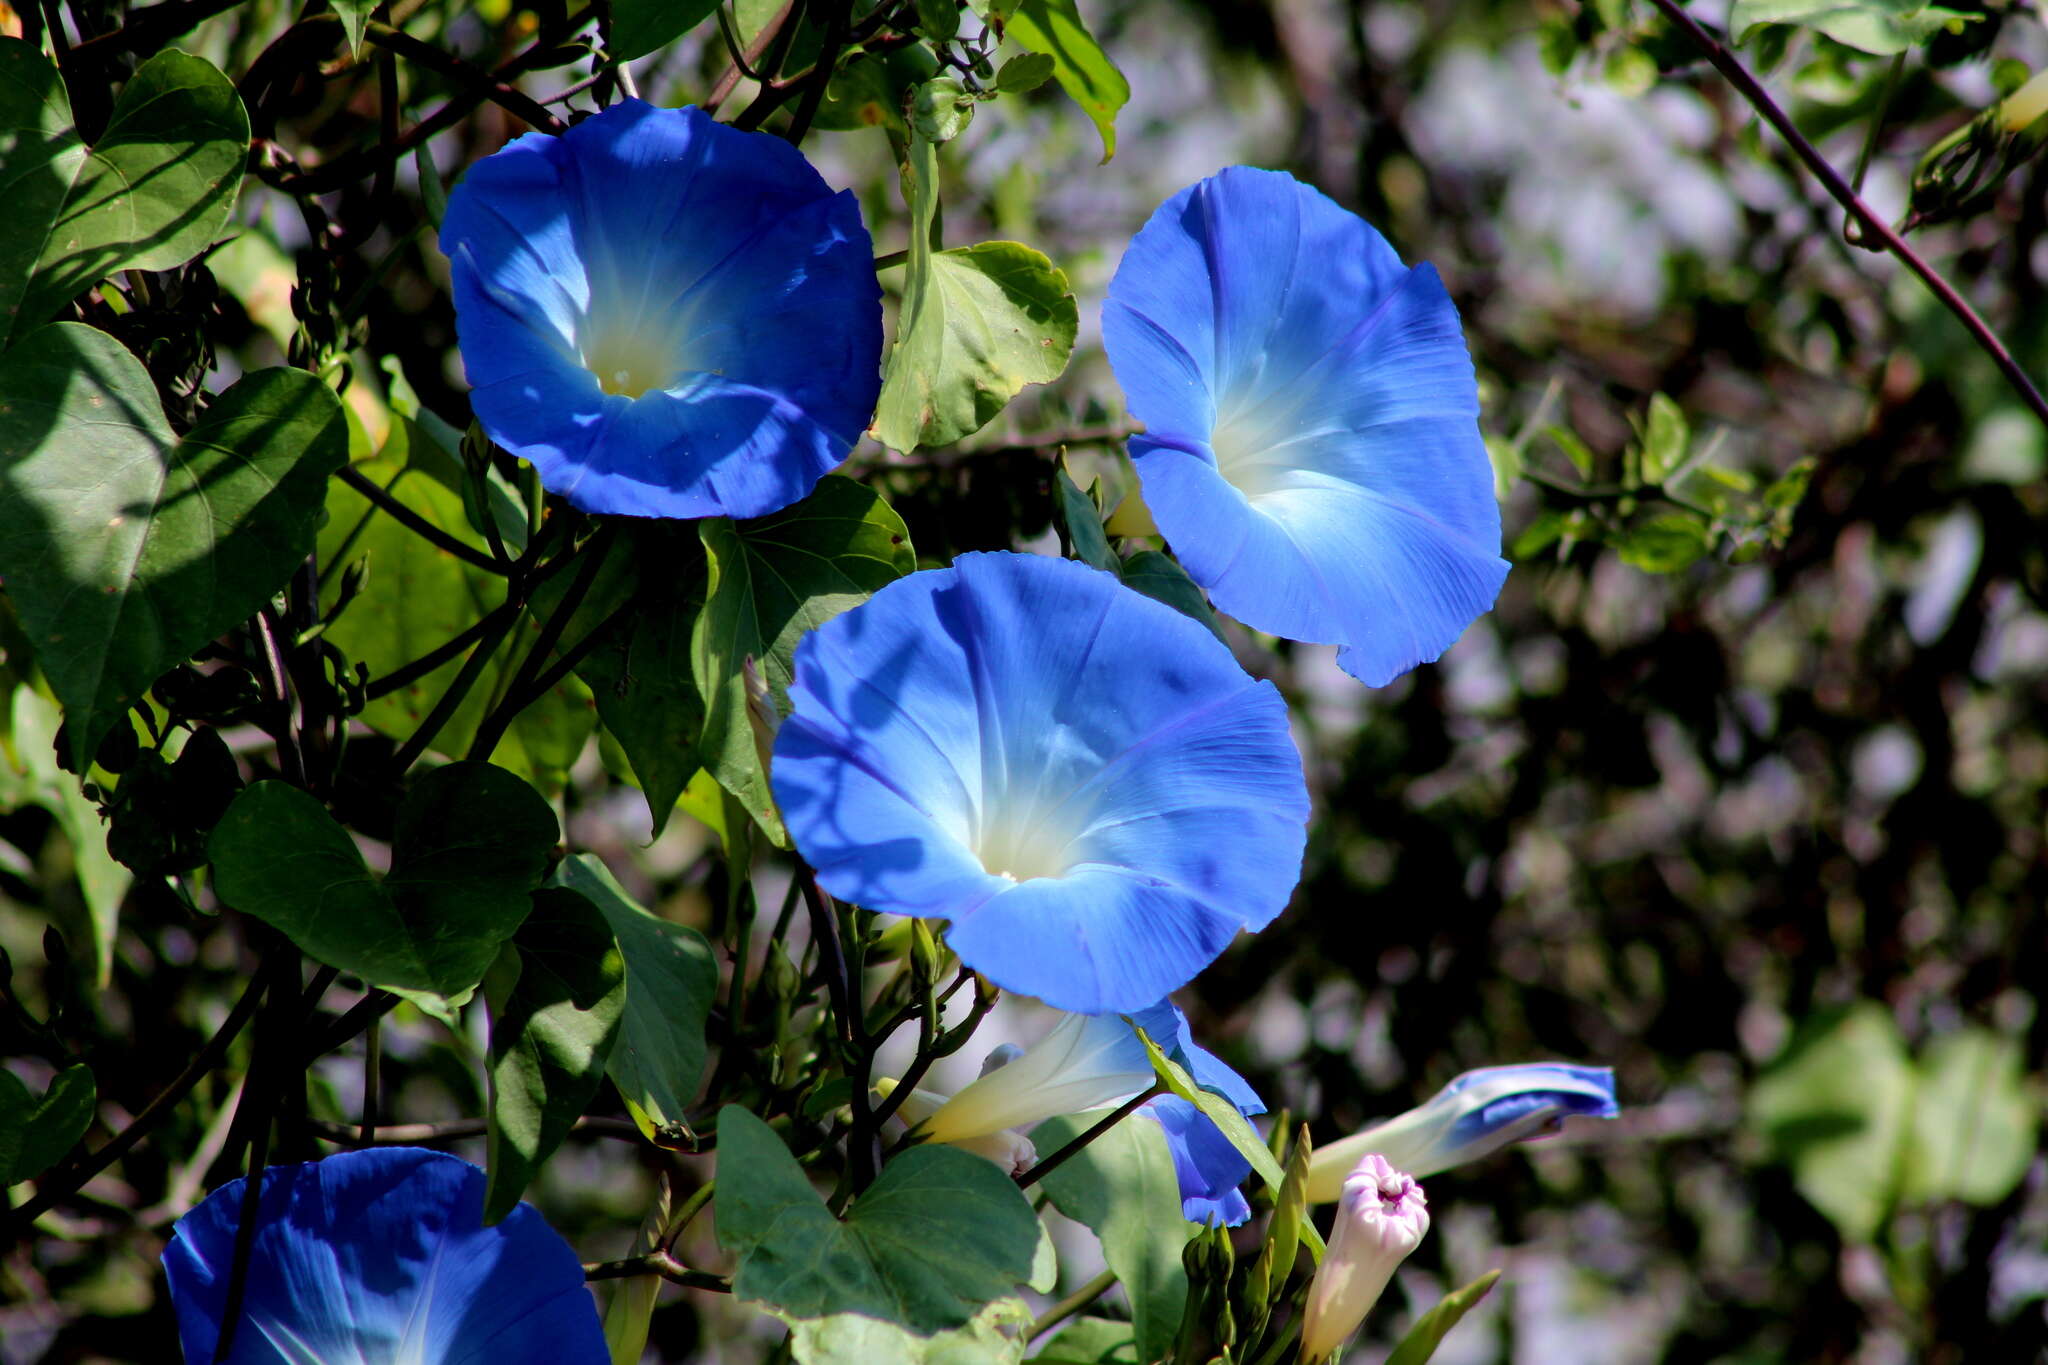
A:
(151, 195)
(125, 548)
(416, 597)
(1881, 27)
(30, 777)
(671, 979)
(1432, 1327)
(1082, 68)
(471, 845)
(640, 26)
(939, 1236)
(772, 579)
(1835, 1107)
(1123, 1186)
(1092, 1341)
(35, 1134)
(1975, 1126)
(977, 324)
(550, 1037)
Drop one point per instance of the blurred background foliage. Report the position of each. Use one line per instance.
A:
(1740, 788)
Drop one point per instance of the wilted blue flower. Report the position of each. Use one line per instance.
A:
(378, 1256)
(1311, 449)
(1477, 1113)
(1209, 1168)
(1081, 779)
(666, 315)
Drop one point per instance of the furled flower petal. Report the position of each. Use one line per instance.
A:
(1477, 1113)
(379, 1257)
(1381, 1218)
(1311, 449)
(666, 315)
(1081, 779)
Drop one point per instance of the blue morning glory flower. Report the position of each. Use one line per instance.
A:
(379, 1256)
(1478, 1113)
(1311, 447)
(668, 316)
(1080, 779)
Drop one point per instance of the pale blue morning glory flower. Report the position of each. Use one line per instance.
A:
(1477, 1113)
(668, 316)
(379, 1258)
(1311, 447)
(1080, 779)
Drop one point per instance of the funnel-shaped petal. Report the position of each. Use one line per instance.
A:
(666, 315)
(1311, 447)
(1080, 779)
(1478, 1113)
(380, 1258)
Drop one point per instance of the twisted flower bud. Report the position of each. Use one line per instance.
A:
(1381, 1217)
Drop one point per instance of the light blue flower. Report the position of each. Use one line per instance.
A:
(379, 1258)
(1311, 447)
(1080, 779)
(1476, 1114)
(666, 315)
(1208, 1167)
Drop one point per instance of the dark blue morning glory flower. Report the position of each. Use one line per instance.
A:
(379, 1258)
(1210, 1170)
(668, 316)
(1311, 447)
(1080, 779)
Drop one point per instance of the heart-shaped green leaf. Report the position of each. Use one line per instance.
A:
(152, 194)
(772, 579)
(550, 1037)
(471, 844)
(671, 979)
(938, 1236)
(125, 548)
(35, 1134)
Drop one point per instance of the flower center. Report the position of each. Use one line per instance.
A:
(1250, 452)
(1019, 841)
(631, 359)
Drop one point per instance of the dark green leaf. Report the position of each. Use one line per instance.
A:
(772, 579)
(36, 1136)
(471, 845)
(150, 196)
(937, 1237)
(640, 26)
(1083, 523)
(1083, 69)
(126, 548)
(1161, 578)
(1025, 71)
(354, 14)
(1835, 1107)
(640, 673)
(1123, 1186)
(671, 980)
(1431, 1328)
(550, 1038)
(938, 19)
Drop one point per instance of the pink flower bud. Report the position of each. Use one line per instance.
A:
(1381, 1217)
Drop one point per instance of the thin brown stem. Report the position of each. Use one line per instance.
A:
(660, 1263)
(1877, 228)
(1115, 1116)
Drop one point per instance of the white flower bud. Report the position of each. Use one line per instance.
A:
(1381, 1217)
